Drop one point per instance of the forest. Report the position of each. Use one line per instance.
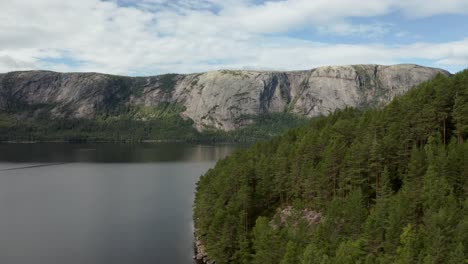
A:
(369, 186)
(137, 124)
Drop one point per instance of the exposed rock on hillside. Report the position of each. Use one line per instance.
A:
(224, 99)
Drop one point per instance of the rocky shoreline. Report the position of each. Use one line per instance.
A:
(286, 218)
(201, 257)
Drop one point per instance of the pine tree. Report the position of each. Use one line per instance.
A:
(375, 167)
(457, 255)
(407, 252)
(267, 244)
(349, 252)
(456, 170)
(400, 213)
(443, 102)
(376, 223)
(331, 166)
(355, 214)
(354, 172)
(291, 256)
(416, 167)
(460, 108)
(436, 192)
(312, 255)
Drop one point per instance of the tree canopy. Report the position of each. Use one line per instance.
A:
(389, 184)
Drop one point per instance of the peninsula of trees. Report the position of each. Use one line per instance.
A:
(376, 186)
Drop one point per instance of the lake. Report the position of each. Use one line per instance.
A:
(100, 203)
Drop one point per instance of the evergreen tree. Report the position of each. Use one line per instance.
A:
(376, 223)
(408, 251)
(460, 108)
(377, 186)
(291, 256)
(312, 255)
(265, 240)
(457, 255)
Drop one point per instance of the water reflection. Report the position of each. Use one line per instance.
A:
(106, 152)
(105, 203)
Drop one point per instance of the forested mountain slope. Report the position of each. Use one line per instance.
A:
(374, 186)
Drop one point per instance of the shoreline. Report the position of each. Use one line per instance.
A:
(126, 142)
(200, 255)
(92, 141)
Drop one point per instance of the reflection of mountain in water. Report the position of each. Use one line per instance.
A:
(100, 203)
(106, 152)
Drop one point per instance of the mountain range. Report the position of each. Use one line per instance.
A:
(221, 100)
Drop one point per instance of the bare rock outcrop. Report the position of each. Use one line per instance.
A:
(225, 99)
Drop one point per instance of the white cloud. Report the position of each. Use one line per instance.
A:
(361, 30)
(426, 8)
(153, 36)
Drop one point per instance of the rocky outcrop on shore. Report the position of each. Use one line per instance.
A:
(201, 256)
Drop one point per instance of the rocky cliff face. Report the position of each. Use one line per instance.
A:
(222, 99)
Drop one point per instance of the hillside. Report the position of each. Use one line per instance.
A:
(42, 105)
(374, 186)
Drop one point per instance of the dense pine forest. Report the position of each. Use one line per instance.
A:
(377, 186)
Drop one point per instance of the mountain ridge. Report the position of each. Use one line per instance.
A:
(229, 69)
(222, 100)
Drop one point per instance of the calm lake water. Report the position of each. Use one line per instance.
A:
(100, 203)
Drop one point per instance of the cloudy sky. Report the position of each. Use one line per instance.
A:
(158, 36)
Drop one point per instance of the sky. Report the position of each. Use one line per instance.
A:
(150, 37)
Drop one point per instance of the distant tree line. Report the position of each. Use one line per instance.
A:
(136, 124)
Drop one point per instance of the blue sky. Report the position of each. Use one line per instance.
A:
(149, 37)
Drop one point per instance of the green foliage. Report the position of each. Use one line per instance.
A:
(115, 93)
(136, 124)
(407, 252)
(167, 82)
(6, 121)
(349, 252)
(390, 185)
(266, 239)
(265, 126)
(291, 254)
(139, 123)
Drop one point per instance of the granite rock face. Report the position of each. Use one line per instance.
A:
(224, 99)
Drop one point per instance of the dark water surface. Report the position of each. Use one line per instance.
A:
(100, 203)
